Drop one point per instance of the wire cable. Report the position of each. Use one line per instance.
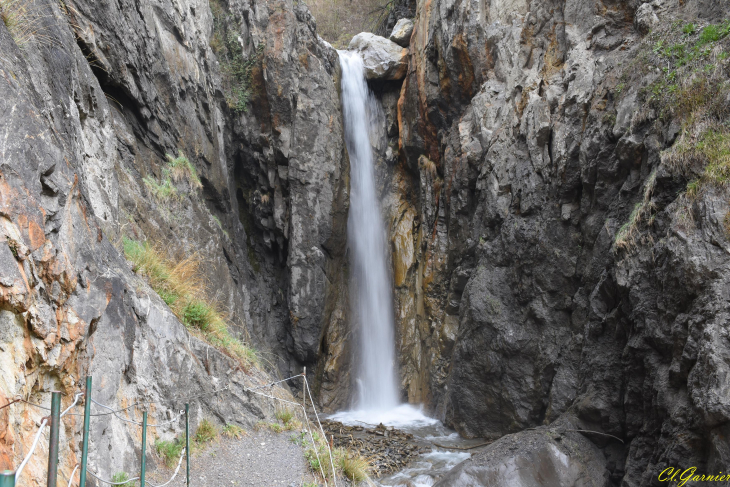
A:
(137, 422)
(71, 478)
(125, 482)
(309, 430)
(179, 462)
(32, 449)
(324, 435)
(76, 399)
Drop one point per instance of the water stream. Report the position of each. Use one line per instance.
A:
(372, 300)
(377, 398)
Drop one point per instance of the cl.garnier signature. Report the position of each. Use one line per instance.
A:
(672, 474)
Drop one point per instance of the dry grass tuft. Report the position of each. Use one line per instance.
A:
(181, 169)
(427, 165)
(629, 233)
(181, 285)
(25, 21)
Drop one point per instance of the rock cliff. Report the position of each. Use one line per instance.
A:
(553, 257)
(552, 174)
(93, 97)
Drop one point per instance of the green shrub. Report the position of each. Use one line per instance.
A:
(170, 451)
(162, 191)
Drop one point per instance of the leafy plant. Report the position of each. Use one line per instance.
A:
(689, 29)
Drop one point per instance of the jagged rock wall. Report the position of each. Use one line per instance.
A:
(518, 164)
(91, 103)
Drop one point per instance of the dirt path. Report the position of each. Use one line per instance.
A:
(260, 459)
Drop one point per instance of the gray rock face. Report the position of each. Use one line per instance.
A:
(541, 458)
(88, 111)
(521, 156)
(383, 58)
(645, 18)
(402, 31)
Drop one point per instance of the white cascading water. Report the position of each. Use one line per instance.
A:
(377, 398)
(377, 391)
(372, 301)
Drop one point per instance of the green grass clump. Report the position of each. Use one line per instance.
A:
(714, 33)
(162, 191)
(233, 431)
(710, 149)
(628, 234)
(120, 477)
(24, 21)
(206, 432)
(181, 285)
(182, 169)
(170, 451)
(284, 415)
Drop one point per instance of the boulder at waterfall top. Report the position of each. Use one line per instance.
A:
(402, 31)
(383, 59)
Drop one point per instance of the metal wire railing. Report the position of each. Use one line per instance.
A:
(10, 478)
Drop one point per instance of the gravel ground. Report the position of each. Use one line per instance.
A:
(261, 459)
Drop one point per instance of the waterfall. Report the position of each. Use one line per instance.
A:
(372, 299)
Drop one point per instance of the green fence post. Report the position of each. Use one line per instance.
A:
(7, 478)
(144, 448)
(85, 447)
(53, 439)
(187, 442)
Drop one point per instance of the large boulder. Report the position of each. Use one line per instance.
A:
(402, 31)
(555, 457)
(383, 59)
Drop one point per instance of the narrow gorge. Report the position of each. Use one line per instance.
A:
(510, 217)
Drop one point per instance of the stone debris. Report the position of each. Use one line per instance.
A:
(388, 449)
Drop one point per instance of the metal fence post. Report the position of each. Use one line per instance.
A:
(85, 446)
(187, 443)
(53, 440)
(7, 478)
(144, 448)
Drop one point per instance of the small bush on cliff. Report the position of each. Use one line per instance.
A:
(237, 69)
(181, 285)
(691, 89)
(181, 169)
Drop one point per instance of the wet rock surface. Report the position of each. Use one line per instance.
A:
(543, 457)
